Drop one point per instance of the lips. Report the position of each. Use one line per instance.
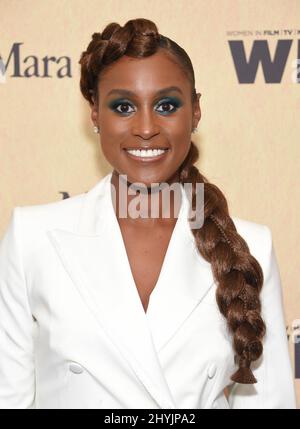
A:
(141, 155)
(146, 148)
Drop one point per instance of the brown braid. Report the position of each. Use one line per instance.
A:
(237, 273)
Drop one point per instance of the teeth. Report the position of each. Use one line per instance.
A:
(146, 153)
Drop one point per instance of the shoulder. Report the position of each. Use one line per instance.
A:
(58, 214)
(25, 234)
(250, 230)
(63, 214)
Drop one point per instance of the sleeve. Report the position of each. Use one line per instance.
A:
(275, 387)
(17, 375)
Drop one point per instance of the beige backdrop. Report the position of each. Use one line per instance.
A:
(248, 135)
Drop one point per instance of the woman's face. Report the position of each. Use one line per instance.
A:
(145, 104)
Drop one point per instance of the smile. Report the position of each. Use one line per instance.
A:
(146, 154)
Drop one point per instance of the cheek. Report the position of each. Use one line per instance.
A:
(110, 148)
(179, 137)
(112, 135)
(178, 127)
(112, 126)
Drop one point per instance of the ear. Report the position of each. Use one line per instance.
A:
(196, 110)
(94, 113)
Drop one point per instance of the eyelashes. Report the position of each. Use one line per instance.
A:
(174, 102)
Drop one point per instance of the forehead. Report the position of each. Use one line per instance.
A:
(144, 75)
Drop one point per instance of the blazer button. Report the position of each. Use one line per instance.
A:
(211, 371)
(76, 368)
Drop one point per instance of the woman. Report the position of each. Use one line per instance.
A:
(101, 310)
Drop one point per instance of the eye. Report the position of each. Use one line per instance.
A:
(122, 110)
(166, 106)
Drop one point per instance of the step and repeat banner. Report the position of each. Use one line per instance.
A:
(246, 56)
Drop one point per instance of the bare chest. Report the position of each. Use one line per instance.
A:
(146, 250)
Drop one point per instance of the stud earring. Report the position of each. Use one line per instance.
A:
(195, 130)
(96, 129)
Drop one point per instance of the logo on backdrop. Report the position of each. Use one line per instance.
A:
(276, 55)
(19, 64)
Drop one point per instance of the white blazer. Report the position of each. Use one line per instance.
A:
(74, 334)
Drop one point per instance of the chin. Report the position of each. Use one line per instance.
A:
(148, 179)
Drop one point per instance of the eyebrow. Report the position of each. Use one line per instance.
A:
(132, 94)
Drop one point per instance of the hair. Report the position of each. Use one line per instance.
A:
(238, 275)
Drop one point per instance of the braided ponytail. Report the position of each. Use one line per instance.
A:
(237, 273)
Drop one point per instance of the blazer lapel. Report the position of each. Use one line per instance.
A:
(185, 279)
(96, 261)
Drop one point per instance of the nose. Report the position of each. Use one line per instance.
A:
(145, 125)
